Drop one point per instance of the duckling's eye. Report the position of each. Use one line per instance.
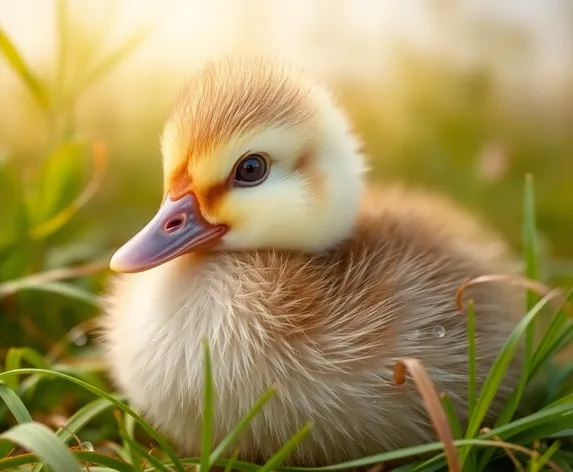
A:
(251, 170)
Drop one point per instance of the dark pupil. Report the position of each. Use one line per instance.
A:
(252, 170)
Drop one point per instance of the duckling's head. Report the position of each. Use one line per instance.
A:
(256, 156)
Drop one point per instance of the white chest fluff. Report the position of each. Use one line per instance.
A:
(155, 327)
(159, 322)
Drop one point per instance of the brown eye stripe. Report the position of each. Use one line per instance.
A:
(179, 184)
(303, 160)
(212, 196)
(304, 166)
(209, 198)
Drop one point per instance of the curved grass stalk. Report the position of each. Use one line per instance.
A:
(100, 159)
(122, 406)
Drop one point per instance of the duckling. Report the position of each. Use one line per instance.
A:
(269, 245)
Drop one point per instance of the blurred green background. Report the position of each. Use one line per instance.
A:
(464, 97)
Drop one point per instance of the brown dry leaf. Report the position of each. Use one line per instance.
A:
(433, 406)
(533, 285)
(516, 447)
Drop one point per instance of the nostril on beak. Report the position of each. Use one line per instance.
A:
(174, 224)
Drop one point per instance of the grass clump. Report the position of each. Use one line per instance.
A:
(533, 433)
(538, 441)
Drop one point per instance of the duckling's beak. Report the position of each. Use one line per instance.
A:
(177, 228)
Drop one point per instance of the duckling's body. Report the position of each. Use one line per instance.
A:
(326, 324)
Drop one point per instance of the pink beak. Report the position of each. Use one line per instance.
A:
(177, 228)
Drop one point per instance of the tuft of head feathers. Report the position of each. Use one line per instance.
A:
(237, 106)
(234, 96)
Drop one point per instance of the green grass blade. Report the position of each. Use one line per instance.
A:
(156, 463)
(562, 401)
(544, 431)
(498, 370)
(59, 164)
(112, 463)
(55, 275)
(529, 429)
(59, 288)
(16, 355)
(208, 409)
(14, 404)
(565, 466)
(81, 417)
(531, 272)
(14, 359)
(565, 456)
(120, 451)
(394, 455)
(25, 389)
(59, 176)
(545, 350)
(564, 383)
(562, 340)
(532, 422)
(238, 465)
(40, 439)
(122, 406)
(101, 469)
(129, 423)
(232, 460)
(78, 420)
(242, 424)
(566, 433)
(286, 450)
(452, 417)
(531, 257)
(113, 59)
(19, 66)
(472, 370)
(541, 462)
(13, 462)
(436, 463)
(406, 468)
(128, 443)
(424, 449)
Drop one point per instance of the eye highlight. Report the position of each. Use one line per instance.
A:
(251, 170)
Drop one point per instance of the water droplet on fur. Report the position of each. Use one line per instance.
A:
(413, 335)
(87, 446)
(439, 331)
(78, 337)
